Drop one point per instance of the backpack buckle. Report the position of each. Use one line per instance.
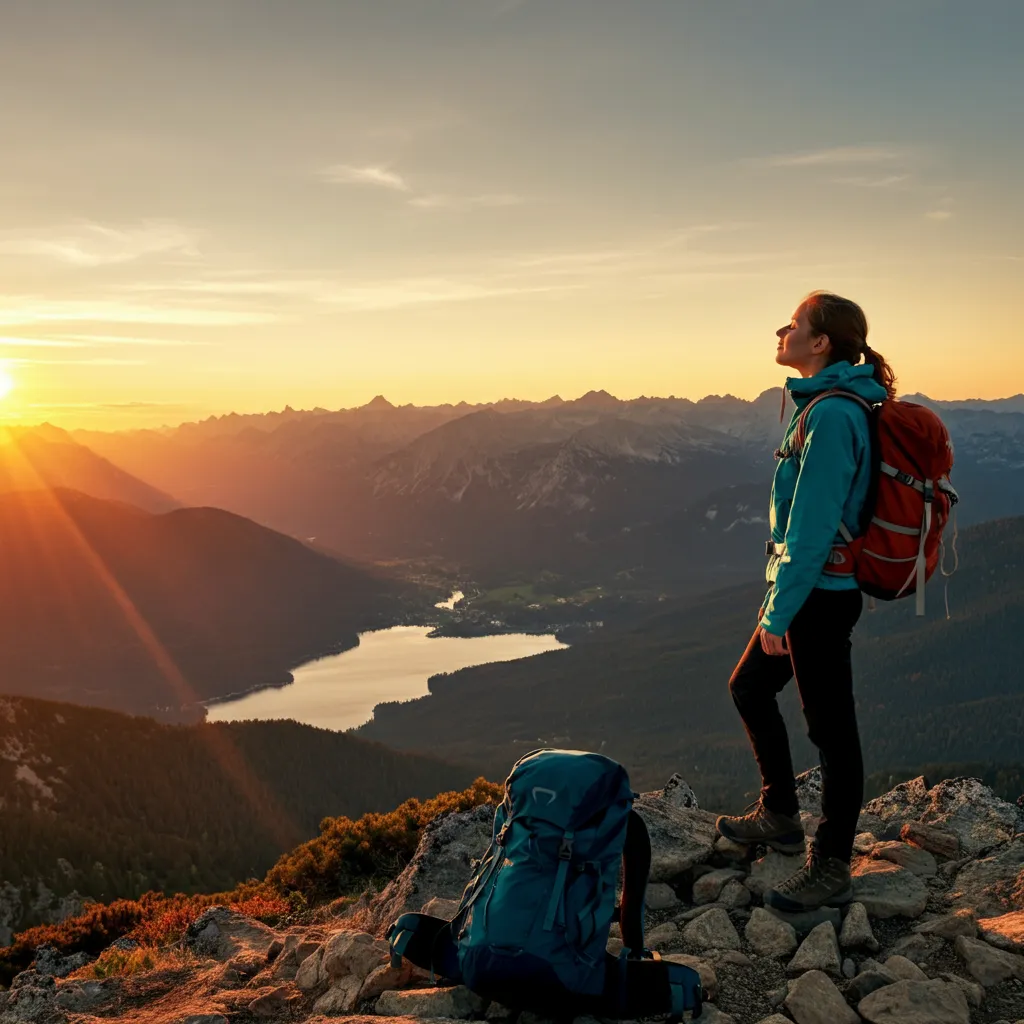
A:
(565, 849)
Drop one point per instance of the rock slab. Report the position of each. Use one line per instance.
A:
(916, 1002)
(818, 952)
(768, 936)
(814, 999)
(986, 964)
(887, 890)
(713, 930)
(457, 1003)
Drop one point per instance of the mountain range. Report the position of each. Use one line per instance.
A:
(540, 485)
(110, 605)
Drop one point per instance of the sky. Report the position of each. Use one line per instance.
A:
(214, 205)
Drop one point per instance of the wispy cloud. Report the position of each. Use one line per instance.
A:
(939, 214)
(834, 156)
(380, 177)
(442, 201)
(122, 339)
(76, 362)
(28, 310)
(88, 244)
(16, 342)
(865, 181)
(383, 177)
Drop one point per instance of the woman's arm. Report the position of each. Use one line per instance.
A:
(828, 467)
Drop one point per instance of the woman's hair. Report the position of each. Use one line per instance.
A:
(847, 328)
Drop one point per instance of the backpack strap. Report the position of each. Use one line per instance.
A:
(426, 942)
(798, 438)
(636, 867)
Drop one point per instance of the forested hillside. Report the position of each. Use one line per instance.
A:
(110, 805)
(108, 605)
(655, 695)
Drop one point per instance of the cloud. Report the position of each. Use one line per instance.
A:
(441, 201)
(88, 244)
(76, 362)
(939, 214)
(33, 310)
(888, 181)
(835, 156)
(15, 342)
(380, 177)
(121, 339)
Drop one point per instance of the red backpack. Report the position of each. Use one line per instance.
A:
(899, 541)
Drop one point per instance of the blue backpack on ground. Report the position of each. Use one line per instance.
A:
(532, 928)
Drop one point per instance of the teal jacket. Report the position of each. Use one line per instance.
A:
(823, 487)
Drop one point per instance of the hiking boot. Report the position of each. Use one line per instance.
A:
(760, 825)
(821, 882)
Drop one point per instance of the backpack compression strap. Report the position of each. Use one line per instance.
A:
(636, 866)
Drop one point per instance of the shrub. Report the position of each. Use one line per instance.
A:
(349, 855)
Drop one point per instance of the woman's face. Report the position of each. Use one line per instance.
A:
(799, 346)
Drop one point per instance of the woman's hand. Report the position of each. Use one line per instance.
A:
(772, 644)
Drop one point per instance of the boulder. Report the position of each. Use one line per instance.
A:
(775, 1018)
(441, 866)
(903, 969)
(442, 908)
(917, 861)
(867, 982)
(735, 853)
(937, 841)
(975, 993)
(661, 896)
(708, 977)
(808, 791)
(713, 930)
(887, 890)
(310, 974)
(964, 807)
(768, 936)
(680, 836)
(994, 884)
(86, 996)
(805, 921)
(709, 886)
(814, 999)
(678, 793)
(916, 1002)
(663, 935)
(917, 948)
(1005, 931)
(818, 952)
(864, 842)
(222, 933)
(734, 895)
(949, 926)
(352, 954)
(457, 1003)
(766, 872)
(202, 1018)
(711, 1014)
(988, 965)
(385, 977)
(856, 932)
(341, 998)
(274, 1002)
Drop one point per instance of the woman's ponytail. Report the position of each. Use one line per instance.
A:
(883, 371)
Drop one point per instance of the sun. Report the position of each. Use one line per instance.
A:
(6, 384)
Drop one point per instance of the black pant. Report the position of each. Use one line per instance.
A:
(819, 658)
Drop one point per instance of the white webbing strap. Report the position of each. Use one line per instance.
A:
(922, 563)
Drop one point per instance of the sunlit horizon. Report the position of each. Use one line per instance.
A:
(247, 208)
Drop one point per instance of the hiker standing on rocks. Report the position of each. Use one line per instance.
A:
(809, 613)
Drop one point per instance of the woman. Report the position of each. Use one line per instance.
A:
(808, 616)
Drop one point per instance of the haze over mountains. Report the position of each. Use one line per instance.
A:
(591, 487)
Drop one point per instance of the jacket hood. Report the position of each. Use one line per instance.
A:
(858, 379)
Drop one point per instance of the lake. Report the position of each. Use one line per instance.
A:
(340, 691)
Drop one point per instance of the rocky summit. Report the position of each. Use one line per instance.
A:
(934, 935)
